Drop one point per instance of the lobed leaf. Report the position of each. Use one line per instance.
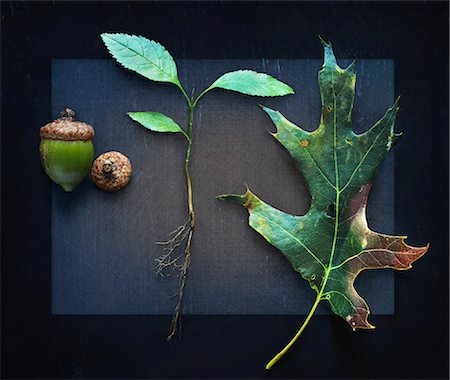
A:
(331, 244)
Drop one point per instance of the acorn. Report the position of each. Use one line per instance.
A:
(66, 150)
(111, 171)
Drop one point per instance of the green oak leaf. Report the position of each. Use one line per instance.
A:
(156, 122)
(332, 243)
(250, 82)
(147, 58)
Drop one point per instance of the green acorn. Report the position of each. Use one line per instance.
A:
(66, 150)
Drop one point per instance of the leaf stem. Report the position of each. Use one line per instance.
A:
(186, 167)
(187, 258)
(184, 94)
(201, 94)
(175, 322)
(185, 135)
(329, 268)
(297, 335)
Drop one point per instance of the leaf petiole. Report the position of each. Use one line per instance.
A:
(188, 138)
(184, 93)
(297, 335)
(198, 97)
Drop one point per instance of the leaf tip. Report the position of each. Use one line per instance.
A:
(268, 110)
(329, 57)
(323, 42)
(241, 199)
(365, 325)
(107, 36)
(132, 115)
(424, 249)
(369, 326)
(275, 116)
(397, 135)
(289, 90)
(248, 200)
(275, 135)
(351, 68)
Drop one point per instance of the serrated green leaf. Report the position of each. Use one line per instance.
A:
(331, 244)
(252, 83)
(156, 122)
(147, 58)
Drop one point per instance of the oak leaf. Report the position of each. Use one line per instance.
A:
(331, 244)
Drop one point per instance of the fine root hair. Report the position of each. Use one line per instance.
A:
(172, 261)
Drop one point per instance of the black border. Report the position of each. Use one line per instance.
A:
(411, 344)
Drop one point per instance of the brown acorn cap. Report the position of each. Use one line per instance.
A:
(111, 171)
(67, 129)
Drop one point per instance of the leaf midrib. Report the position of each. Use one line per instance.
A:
(329, 269)
(339, 190)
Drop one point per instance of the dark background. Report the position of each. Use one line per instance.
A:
(411, 344)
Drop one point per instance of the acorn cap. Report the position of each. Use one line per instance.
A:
(67, 129)
(111, 171)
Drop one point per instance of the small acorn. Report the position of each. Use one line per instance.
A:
(67, 150)
(111, 171)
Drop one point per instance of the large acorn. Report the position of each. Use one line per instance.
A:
(66, 150)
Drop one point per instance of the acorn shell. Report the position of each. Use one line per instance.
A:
(111, 171)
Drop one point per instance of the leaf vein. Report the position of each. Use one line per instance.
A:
(294, 237)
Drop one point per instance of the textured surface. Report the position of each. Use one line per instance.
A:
(67, 129)
(110, 269)
(111, 171)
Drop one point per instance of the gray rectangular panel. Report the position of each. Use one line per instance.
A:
(103, 245)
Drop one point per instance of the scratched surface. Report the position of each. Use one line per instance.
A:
(103, 245)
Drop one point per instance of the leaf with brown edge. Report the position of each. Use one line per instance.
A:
(331, 244)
